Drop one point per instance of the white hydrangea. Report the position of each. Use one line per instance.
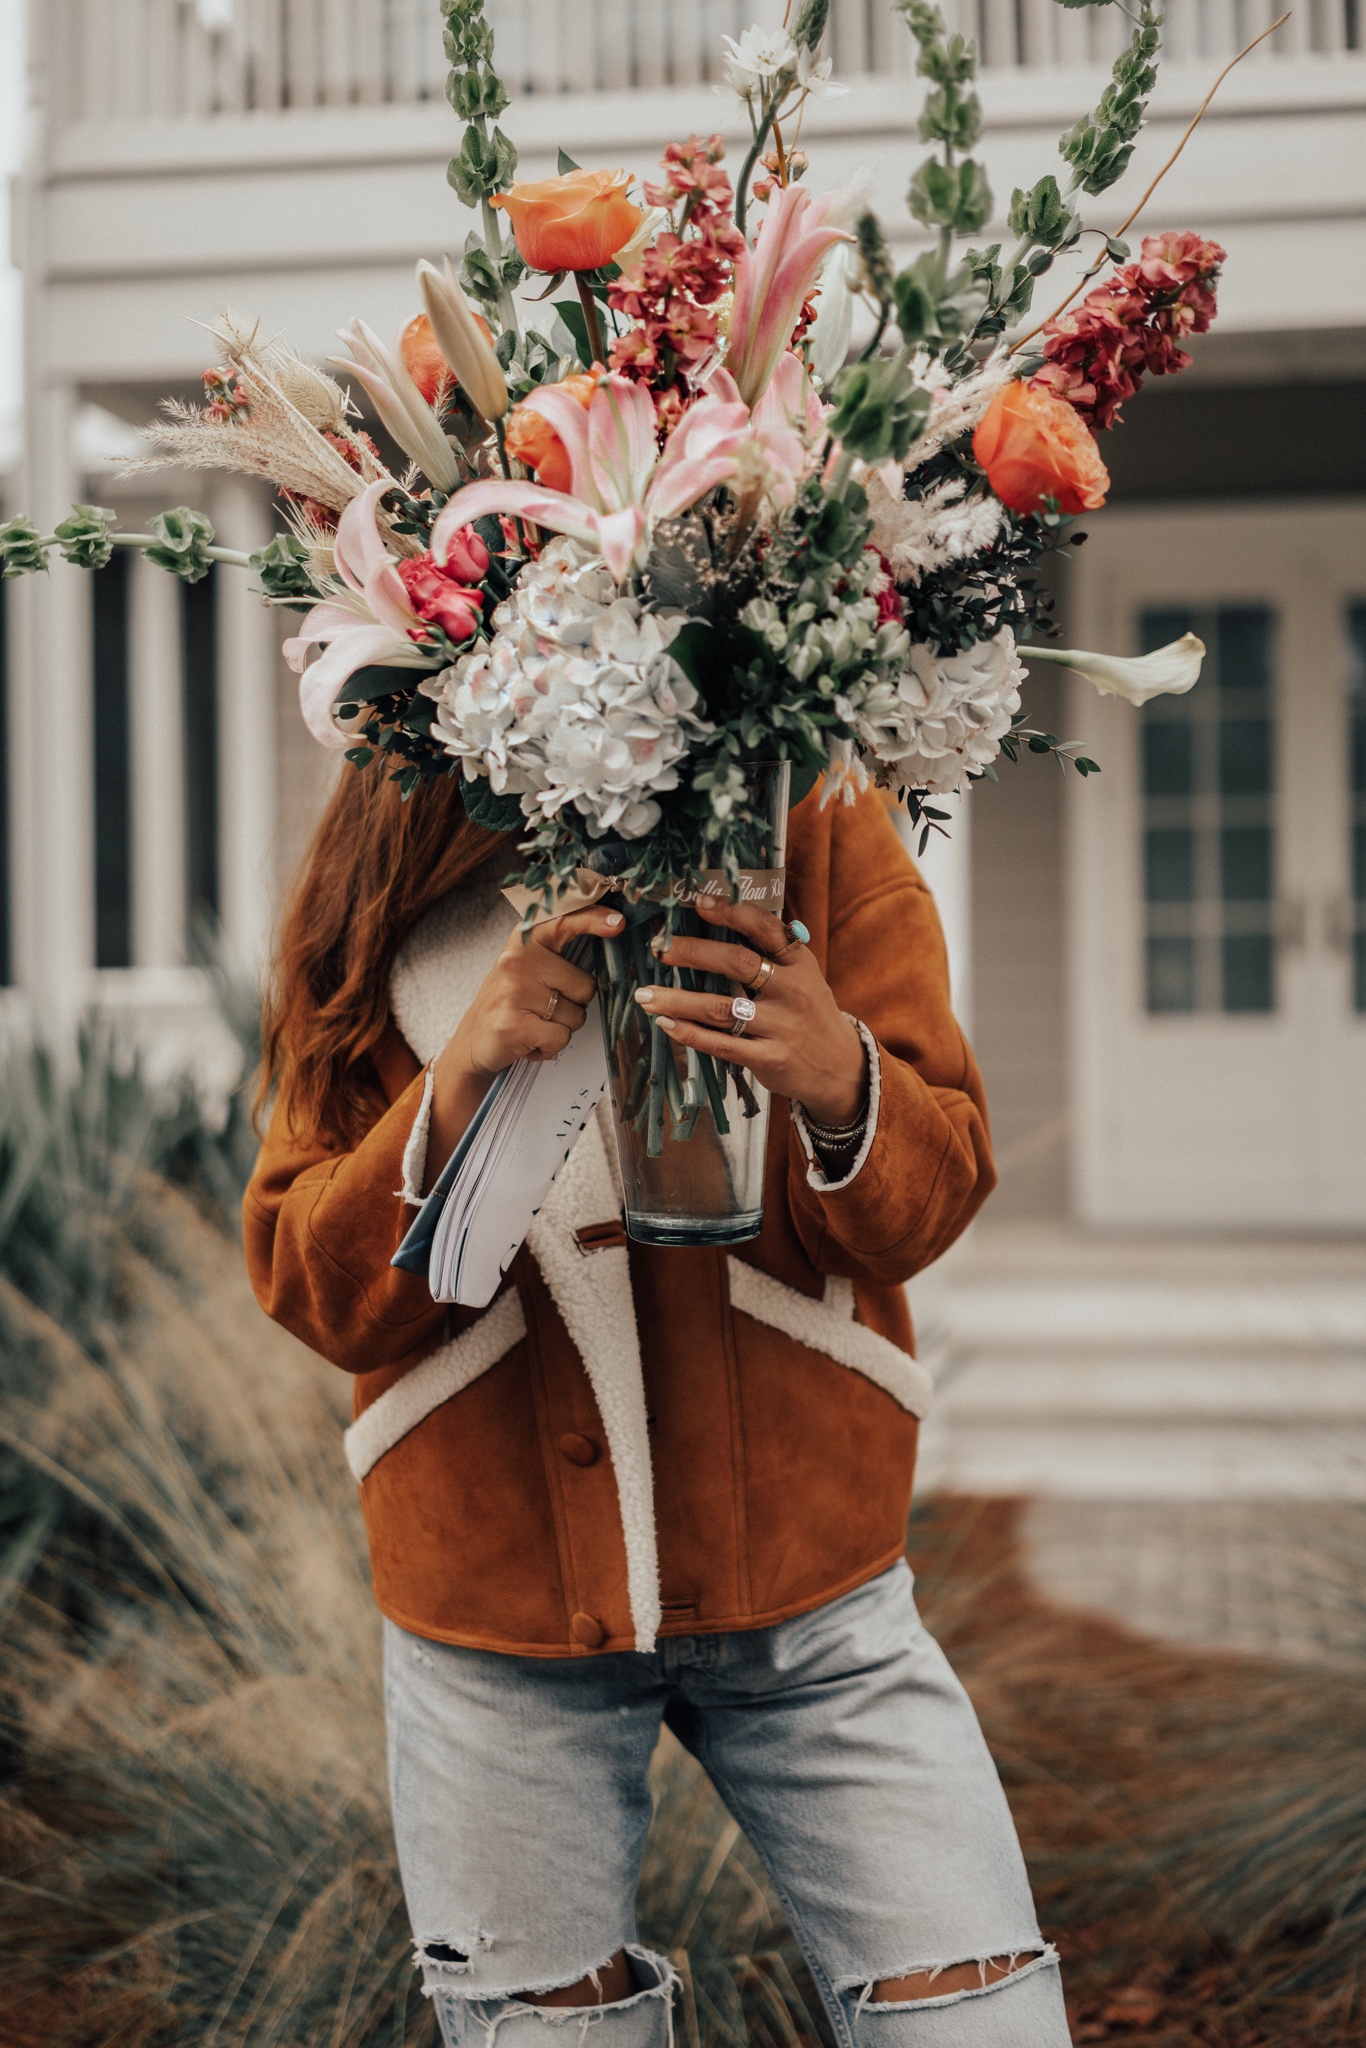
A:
(943, 719)
(575, 700)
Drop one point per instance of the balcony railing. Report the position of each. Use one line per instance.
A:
(195, 59)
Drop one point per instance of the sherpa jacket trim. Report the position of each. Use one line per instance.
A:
(828, 1326)
(442, 1374)
(592, 1292)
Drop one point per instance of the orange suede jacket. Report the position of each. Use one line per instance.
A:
(781, 1476)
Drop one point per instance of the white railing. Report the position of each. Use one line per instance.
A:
(151, 59)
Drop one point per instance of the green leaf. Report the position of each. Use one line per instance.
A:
(83, 536)
(571, 312)
(484, 807)
(367, 685)
(20, 553)
(184, 539)
(565, 163)
(879, 410)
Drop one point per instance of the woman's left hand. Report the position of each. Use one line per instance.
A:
(800, 1043)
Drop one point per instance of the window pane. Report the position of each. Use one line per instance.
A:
(1168, 762)
(1169, 861)
(1245, 649)
(1248, 972)
(1244, 756)
(1209, 850)
(1171, 974)
(1245, 863)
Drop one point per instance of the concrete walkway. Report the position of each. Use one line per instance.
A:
(1276, 1579)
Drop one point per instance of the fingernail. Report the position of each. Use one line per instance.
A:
(660, 944)
(645, 995)
(614, 917)
(666, 1024)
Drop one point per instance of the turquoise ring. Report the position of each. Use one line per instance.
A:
(797, 932)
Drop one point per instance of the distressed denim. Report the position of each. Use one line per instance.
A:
(842, 1743)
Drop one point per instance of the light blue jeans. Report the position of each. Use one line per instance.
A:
(841, 1742)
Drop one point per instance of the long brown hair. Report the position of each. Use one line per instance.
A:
(375, 865)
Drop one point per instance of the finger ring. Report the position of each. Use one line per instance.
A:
(744, 1012)
(797, 935)
(552, 1005)
(761, 979)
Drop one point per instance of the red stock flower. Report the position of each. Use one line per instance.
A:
(669, 292)
(1096, 355)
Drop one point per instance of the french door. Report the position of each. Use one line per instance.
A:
(1217, 928)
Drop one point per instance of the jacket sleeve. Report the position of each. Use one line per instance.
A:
(928, 1167)
(319, 1230)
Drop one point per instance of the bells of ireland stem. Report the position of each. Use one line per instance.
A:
(879, 410)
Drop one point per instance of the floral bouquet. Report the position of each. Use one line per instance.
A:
(642, 573)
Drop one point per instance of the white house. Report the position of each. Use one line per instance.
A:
(1165, 966)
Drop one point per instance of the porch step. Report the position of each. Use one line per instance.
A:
(1070, 1366)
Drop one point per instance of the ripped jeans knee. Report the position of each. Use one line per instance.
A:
(471, 2018)
(1019, 2008)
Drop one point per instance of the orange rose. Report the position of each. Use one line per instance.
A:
(422, 358)
(577, 222)
(1035, 446)
(534, 441)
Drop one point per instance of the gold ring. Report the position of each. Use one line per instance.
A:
(552, 1005)
(761, 980)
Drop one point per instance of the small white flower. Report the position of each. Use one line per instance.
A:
(575, 701)
(813, 75)
(943, 719)
(761, 56)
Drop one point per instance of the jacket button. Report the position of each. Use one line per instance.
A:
(588, 1630)
(580, 1450)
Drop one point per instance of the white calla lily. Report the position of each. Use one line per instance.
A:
(1167, 672)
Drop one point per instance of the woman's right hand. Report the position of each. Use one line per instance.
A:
(529, 1007)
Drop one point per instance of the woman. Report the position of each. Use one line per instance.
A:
(648, 1484)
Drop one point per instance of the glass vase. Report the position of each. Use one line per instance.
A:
(691, 1131)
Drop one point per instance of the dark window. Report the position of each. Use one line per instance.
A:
(113, 796)
(1356, 713)
(199, 631)
(1209, 853)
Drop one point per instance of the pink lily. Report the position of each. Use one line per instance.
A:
(771, 282)
(373, 622)
(620, 483)
(788, 422)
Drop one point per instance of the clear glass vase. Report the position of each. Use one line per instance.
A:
(692, 1132)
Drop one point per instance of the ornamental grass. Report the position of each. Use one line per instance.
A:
(194, 1835)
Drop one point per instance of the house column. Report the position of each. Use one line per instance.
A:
(157, 755)
(51, 736)
(248, 673)
(946, 867)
